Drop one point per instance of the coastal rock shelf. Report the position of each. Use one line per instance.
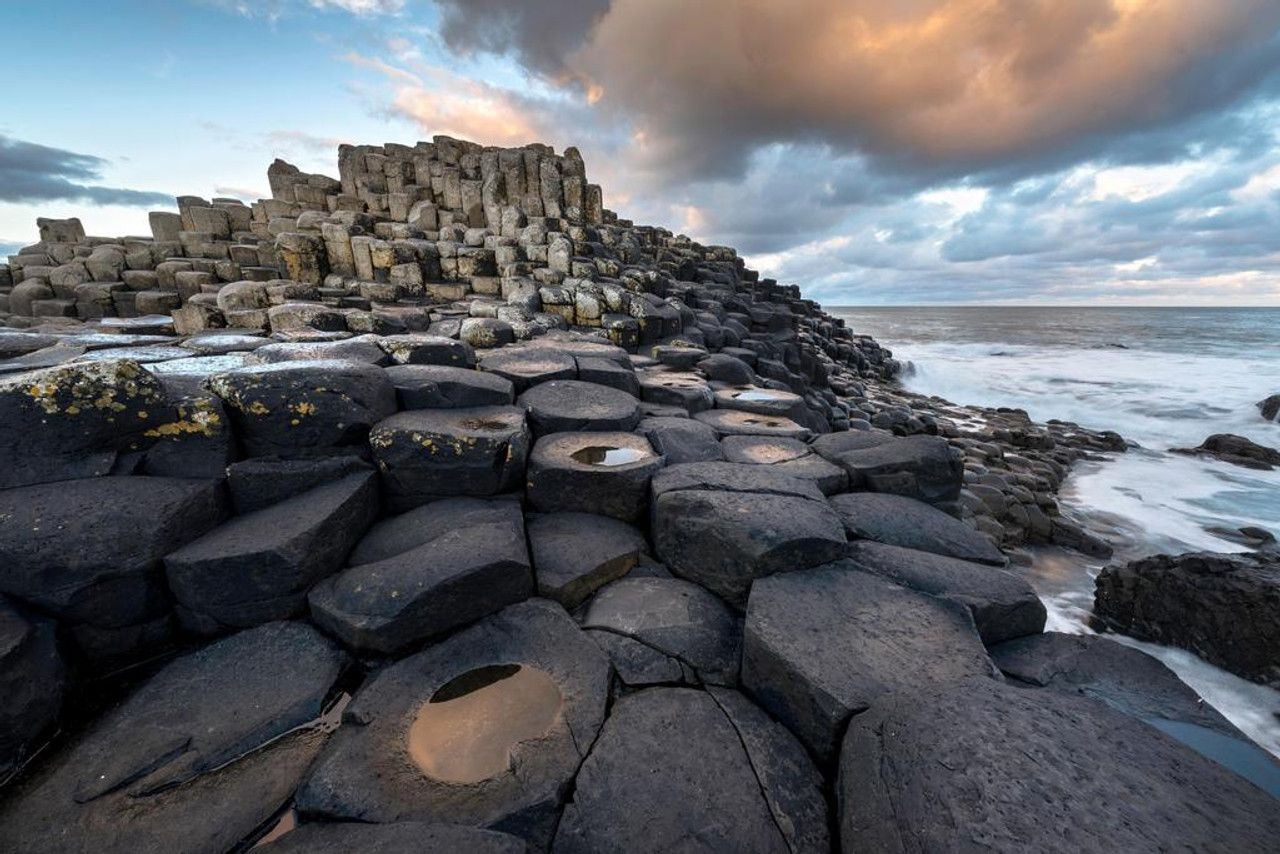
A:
(435, 507)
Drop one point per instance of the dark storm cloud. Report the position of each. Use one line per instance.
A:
(540, 35)
(38, 173)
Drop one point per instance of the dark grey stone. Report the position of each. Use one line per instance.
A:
(574, 554)
(564, 406)
(922, 467)
(297, 409)
(526, 367)
(426, 572)
(572, 472)
(424, 349)
(987, 766)
(33, 681)
(445, 387)
(260, 482)
(821, 645)
(1002, 603)
(675, 769)
(259, 567)
(682, 440)
(787, 456)
(198, 758)
(367, 774)
(436, 453)
(676, 618)
(407, 837)
(901, 521)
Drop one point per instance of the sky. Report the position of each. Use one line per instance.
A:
(875, 152)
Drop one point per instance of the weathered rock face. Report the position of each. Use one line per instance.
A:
(163, 774)
(724, 525)
(675, 762)
(1054, 773)
(896, 520)
(394, 758)
(32, 682)
(396, 838)
(821, 645)
(1003, 605)
(259, 567)
(1236, 450)
(1220, 606)
(574, 554)
(89, 552)
(425, 572)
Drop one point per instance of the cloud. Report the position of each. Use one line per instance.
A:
(274, 10)
(945, 87)
(37, 173)
(540, 34)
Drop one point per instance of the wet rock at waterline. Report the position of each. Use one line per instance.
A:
(195, 760)
(1051, 772)
(1236, 450)
(675, 764)
(1270, 407)
(425, 572)
(1220, 606)
(368, 773)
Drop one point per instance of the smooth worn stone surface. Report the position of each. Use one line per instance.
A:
(435, 453)
(988, 766)
(1222, 607)
(1003, 604)
(33, 680)
(68, 422)
(821, 645)
(574, 554)
(361, 349)
(526, 367)
(425, 572)
(603, 473)
(446, 387)
(724, 525)
(897, 520)
(259, 567)
(674, 617)
(350, 837)
(367, 773)
(293, 409)
(637, 665)
(89, 552)
(682, 440)
(687, 391)
(420, 349)
(564, 406)
(732, 422)
(921, 467)
(608, 372)
(787, 456)
(195, 760)
(761, 401)
(673, 770)
(263, 481)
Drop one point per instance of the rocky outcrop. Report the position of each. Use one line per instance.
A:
(1236, 450)
(1220, 606)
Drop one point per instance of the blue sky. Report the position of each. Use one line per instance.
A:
(912, 151)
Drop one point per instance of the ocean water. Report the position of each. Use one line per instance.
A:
(1162, 378)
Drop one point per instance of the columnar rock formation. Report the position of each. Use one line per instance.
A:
(436, 505)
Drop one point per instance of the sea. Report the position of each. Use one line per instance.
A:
(1162, 378)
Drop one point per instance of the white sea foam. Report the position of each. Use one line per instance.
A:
(1173, 393)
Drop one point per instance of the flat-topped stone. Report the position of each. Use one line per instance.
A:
(733, 422)
(787, 456)
(681, 439)
(396, 838)
(574, 554)
(897, 520)
(448, 387)
(425, 572)
(423, 349)
(428, 454)
(821, 645)
(604, 473)
(562, 406)
(526, 367)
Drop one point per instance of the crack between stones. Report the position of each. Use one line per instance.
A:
(752, 765)
(675, 656)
